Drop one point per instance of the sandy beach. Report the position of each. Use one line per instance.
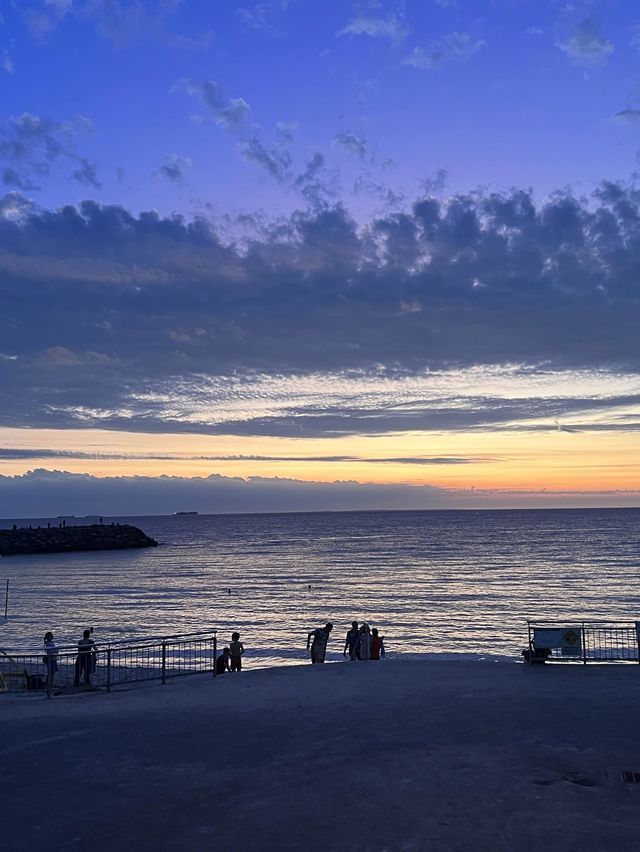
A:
(401, 755)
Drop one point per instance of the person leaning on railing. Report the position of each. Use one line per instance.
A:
(86, 659)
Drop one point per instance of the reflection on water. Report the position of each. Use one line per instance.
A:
(445, 582)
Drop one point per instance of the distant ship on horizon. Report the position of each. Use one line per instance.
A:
(185, 513)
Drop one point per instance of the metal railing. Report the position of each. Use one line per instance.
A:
(111, 665)
(585, 641)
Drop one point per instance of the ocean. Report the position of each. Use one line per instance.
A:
(437, 582)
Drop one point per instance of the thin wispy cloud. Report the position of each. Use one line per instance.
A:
(39, 453)
(391, 27)
(175, 168)
(6, 63)
(454, 45)
(627, 116)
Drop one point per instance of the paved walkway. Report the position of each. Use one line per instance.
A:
(392, 756)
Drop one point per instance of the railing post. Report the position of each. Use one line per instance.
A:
(109, 669)
(215, 652)
(584, 645)
(164, 661)
(530, 660)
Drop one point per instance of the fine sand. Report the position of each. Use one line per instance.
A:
(396, 755)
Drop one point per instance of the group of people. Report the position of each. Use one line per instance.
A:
(230, 660)
(85, 663)
(361, 643)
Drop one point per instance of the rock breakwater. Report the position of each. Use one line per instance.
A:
(72, 538)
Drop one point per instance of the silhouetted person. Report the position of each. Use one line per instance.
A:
(377, 645)
(222, 663)
(317, 642)
(86, 659)
(50, 658)
(236, 650)
(351, 642)
(364, 643)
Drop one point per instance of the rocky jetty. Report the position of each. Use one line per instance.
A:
(65, 539)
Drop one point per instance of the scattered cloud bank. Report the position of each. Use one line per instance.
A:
(45, 493)
(31, 145)
(118, 20)
(314, 324)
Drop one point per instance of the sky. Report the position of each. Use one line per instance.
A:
(291, 255)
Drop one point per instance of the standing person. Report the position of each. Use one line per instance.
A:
(86, 659)
(377, 645)
(236, 650)
(50, 658)
(222, 662)
(318, 647)
(364, 644)
(351, 642)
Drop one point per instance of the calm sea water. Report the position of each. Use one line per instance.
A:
(433, 582)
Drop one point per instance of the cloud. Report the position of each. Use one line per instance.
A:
(424, 59)
(44, 494)
(6, 63)
(86, 173)
(232, 114)
(276, 160)
(14, 453)
(13, 205)
(30, 145)
(314, 324)
(455, 45)
(175, 168)
(627, 116)
(259, 18)
(587, 46)
(118, 20)
(229, 113)
(316, 183)
(351, 143)
(391, 27)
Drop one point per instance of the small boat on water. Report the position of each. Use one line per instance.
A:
(185, 513)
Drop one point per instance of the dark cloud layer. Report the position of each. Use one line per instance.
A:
(45, 493)
(99, 305)
(14, 453)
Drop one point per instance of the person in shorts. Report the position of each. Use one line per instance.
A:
(236, 650)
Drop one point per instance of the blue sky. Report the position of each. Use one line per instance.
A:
(502, 93)
(389, 243)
